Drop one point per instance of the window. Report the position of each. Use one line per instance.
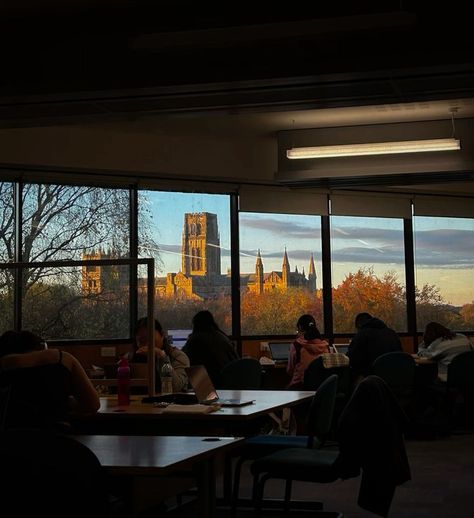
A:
(7, 250)
(62, 222)
(444, 259)
(188, 234)
(368, 271)
(280, 272)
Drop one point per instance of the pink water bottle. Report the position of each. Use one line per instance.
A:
(123, 382)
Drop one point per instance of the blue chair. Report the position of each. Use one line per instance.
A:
(319, 424)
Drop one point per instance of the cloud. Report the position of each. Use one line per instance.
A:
(295, 229)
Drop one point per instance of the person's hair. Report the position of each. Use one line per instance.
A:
(204, 321)
(361, 319)
(143, 323)
(434, 330)
(17, 342)
(307, 324)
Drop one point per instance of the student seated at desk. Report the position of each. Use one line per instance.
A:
(179, 361)
(307, 346)
(442, 345)
(45, 384)
(208, 345)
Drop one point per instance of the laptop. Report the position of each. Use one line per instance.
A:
(205, 391)
(279, 351)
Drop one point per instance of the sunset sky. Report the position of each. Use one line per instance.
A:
(444, 247)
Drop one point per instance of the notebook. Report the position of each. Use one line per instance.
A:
(279, 351)
(205, 391)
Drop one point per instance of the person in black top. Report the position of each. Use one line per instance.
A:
(373, 338)
(209, 346)
(45, 384)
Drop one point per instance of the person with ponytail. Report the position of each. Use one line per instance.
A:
(307, 346)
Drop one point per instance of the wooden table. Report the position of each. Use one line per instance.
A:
(147, 419)
(147, 460)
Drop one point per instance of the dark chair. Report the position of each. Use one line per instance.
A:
(316, 373)
(241, 374)
(50, 474)
(304, 447)
(460, 386)
(397, 369)
(370, 436)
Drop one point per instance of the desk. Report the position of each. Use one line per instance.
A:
(145, 457)
(146, 419)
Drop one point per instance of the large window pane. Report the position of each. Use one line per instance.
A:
(7, 247)
(70, 222)
(444, 260)
(368, 271)
(189, 236)
(280, 272)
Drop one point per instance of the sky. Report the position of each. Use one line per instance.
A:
(444, 247)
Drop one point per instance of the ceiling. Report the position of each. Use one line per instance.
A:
(242, 67)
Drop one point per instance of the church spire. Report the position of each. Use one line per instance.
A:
(285, 270)
(312, 274)
(259, 274)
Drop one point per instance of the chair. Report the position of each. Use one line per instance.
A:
(371, 440)
(316, 373)
(397, 369)
(319, 424)
(460, 382)
(241, 374)
(50, 474)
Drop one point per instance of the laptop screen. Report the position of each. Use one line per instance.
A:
(279, 351)
(201, 383)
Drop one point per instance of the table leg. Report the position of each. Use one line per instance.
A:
(206, 486)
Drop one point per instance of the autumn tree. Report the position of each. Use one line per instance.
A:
(276, 312)
(363, 291)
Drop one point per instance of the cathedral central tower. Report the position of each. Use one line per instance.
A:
(201, 252)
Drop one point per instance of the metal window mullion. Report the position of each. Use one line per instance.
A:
(235, 271)
(18, 254)
(327, 281)
(410, 290)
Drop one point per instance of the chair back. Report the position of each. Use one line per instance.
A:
(397, 369)
(241, 374)
(316, 373)
(50, 474)
(461, 371)
(321, 412)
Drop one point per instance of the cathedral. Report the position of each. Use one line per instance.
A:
(200, 276)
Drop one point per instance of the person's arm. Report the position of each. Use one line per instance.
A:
(179, 362)
(86, 399)
(433, 351)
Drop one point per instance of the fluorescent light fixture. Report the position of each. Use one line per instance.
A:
(378, 148)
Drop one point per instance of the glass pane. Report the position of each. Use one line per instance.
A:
(280, 272)
(189, 236)
(444, 259)
(75, 222)
(7, 247)
(78, 303)
(368, 271)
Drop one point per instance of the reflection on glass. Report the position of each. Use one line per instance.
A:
(63, 222)
(368, 271)
(444, 258)
(280, 268)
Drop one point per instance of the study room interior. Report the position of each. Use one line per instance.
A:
(266, 163)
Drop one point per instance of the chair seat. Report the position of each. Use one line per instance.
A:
(300, 464)
(275, 441)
